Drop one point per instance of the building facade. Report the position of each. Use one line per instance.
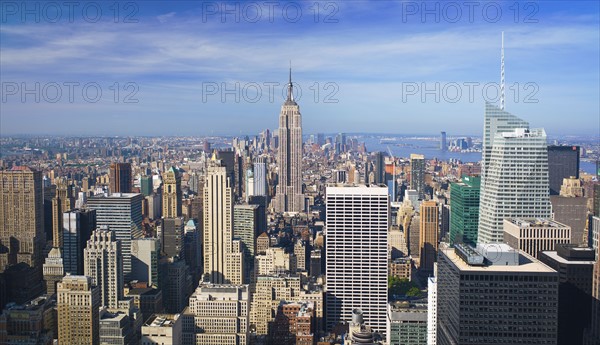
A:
(464, 210)
(78, 303)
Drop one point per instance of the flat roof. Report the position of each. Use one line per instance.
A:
(554, 256)
(357, 190)
(526, 264)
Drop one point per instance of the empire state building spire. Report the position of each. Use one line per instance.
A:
(289, 196)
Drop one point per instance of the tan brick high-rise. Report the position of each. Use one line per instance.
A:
(172, 194)
(78, 315)
(428, 239)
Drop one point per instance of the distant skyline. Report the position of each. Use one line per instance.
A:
(368, 61)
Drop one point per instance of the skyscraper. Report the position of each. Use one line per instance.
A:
(443, 142)
(464, 210)
(144, 260)
(122, 213)
(78, 301)
(172, 237)
(103, 262)
(146, 185)
(172, 195)
(120, 178)
(260, 176)
(428, 239)
(379, 168)
(514, 182)
(77, 229)
(563, 162)
(417, 174)
(289, 197)
(245, 225)
(22, 236)
(356, 263)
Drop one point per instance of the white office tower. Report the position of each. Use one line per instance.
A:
(260, 176)
(516, 182)
(431, 310)
(356, 256)
(103, 263)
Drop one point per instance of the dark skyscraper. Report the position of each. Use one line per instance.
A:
(464, 210)
(379, 168)
(120, 178)
(443, 142)
(563, 162)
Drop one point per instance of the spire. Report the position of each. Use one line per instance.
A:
(290, 95)
(502, 74)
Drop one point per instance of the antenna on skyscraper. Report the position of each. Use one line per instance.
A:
(502, 74)
(290, 93)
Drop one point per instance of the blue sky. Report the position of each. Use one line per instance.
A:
(369, 61)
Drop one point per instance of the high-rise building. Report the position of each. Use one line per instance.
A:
(120, 178)
(218, 226)
(535, 235)
(356, 264)
(417, 174)
(464, 210)
(77, 229)
(495, 295)
(78, 302)
(146, 185)
(571, 211)
(171, 237)
(116, 328)
(220, 315)
(30, 323)
(172, 195)
(245, 225)
(443, 142)
(174, 284)
(432, 311)
(379, 163)
(22, 236)
(162, 329)
(575, 266)
(260, 176)
(53, 270)
(289, 197)
(407, 323)
(515, 183)
(249, 188)
(563, 162)
(144, 260)
(293, 324)
(428, 236)
(103, 262)
(122, 213)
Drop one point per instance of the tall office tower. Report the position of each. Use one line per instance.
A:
(77, 230)
(57, 223)
(78, 301)
(515, 183)
(575, 266)
(220, 314)
(146, 185)
(563, 162)
(262, 203)
(571, 208)
(144, 260)
(171, 237)
(103, 262)
(592, 334)
(53, 270)
(356, 264)
(417, 174)
(464, 210)
(428, 237)
(122, 213)
(249, 189)
(432, 310)
(245, 225)
(535, 235)
(289, 197)
(22, 237)
(407, 323)
(379, 162)
(172, 195)
(174, 284)
(120, 178)
(510, 296)
(260, 176)
(228, 160)
(443, 142)
(218, 224)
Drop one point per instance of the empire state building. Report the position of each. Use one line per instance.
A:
(289, 197)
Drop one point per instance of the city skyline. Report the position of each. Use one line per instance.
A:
(176, 56)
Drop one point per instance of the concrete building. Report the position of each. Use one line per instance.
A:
(31, 323)
(144, 260)
(162, 329)
(270, 291)
(219, 314)
(575, 266)
(122, 213)
(78, 302)
(172, 194)
(572, 211)
(535, 235)
(53, 270)
(289, 195)
(147, 300)
(116, 329)
(356, 264)
(275, 261)
(432, 311)
(495, 282)
(103, 263)
(428, 235)
(407, 323)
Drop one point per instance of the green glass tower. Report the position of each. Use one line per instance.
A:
(464, 210)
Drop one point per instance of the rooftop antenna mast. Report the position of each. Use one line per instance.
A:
(502, 74)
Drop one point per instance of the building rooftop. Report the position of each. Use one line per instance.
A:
(535, 222)
(161, 320)
(554, 256)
